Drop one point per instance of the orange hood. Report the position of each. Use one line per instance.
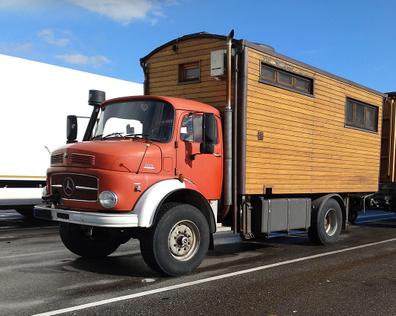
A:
(129, 155)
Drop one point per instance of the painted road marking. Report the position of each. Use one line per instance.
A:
(206, 280)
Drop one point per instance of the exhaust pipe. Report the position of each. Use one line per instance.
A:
(227, 186)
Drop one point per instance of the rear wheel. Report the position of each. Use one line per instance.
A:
(89, 242)
(178, 242)
(326, 223)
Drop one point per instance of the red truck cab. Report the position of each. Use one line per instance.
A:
(150, 168)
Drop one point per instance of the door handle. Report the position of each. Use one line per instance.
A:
(217, 155)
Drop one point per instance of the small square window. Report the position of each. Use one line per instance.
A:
(189, 72)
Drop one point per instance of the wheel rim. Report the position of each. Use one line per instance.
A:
(331, 222)
(184, 240)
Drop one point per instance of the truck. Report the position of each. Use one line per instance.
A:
(228, 132)
(31, 124)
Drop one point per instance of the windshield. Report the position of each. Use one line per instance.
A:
(146, 118)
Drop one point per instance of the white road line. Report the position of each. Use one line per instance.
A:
(210, 279)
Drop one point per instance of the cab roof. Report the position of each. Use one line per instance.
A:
(178, 103)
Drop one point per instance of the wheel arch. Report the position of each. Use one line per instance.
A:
(193, 198)
(171, 190)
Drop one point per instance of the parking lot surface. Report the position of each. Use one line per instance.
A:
(277, 276)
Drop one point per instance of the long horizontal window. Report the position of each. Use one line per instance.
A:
(285, 79)
(361, 115)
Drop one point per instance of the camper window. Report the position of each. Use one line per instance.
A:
(189, 72)
(361, 115)
(285, 79)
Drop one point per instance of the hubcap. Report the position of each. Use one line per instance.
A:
(330, 222)
(183, 240)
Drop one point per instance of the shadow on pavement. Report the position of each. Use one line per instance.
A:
(127, 265)
(12, 219)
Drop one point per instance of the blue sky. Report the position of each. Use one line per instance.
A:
(353, 39)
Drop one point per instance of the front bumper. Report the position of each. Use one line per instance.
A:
(86, 218)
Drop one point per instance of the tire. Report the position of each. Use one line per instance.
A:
(26, 211)
(88, 242)
(178, 242)
(326, 223)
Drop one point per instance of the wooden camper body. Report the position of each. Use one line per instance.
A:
(288, 142)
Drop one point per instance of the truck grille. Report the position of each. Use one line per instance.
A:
(73, 159)
(56, 159)
(71, 186)
(80, 159)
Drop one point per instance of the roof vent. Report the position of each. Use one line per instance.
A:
(266, 47)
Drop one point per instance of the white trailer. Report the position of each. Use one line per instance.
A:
(35, 100)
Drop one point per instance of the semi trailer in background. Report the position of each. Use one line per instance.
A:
(245, 137)
(35, 99)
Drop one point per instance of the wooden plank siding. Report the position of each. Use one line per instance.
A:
(163, 68)
(306, 146)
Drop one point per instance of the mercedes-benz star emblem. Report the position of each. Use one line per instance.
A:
(68, 186)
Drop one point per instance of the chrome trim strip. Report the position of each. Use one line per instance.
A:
(75, 200)
(56, 185)
(92, 218)
(79, 187)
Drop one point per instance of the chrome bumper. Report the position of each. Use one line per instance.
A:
(86, 218)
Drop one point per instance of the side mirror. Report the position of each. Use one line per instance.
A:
(209, 133)
(71, 129)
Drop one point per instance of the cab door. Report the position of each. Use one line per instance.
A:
(205, 171)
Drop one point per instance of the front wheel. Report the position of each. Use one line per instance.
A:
(88, 242)
(26, 211)
(178, 242)
(326, 223)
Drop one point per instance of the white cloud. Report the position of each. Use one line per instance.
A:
(121, 11)
(10, 48)
(83, 60)
(126, 11)
(49, 36)
(18, 4)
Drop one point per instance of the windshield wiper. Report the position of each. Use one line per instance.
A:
(119, 134)
(137, 135)
(97, 137)
(115, 134)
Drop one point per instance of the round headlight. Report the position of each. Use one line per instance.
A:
(108, 199)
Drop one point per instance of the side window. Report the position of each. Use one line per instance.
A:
(361, 115)
(191, 128)
(189, 72)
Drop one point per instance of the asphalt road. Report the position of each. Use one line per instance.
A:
(279, 276)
